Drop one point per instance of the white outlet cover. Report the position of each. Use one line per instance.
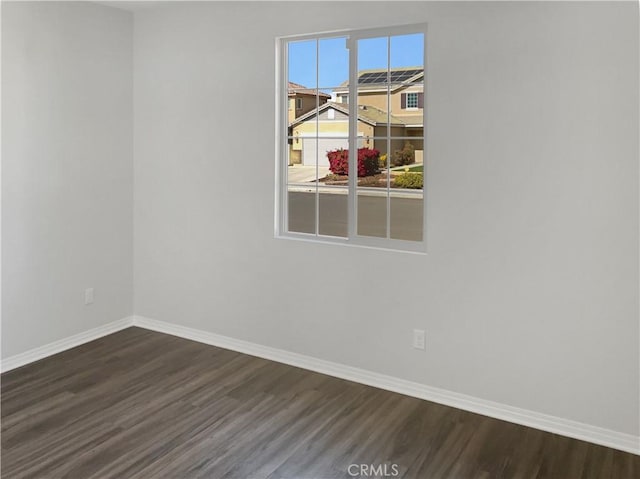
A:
(88, 296)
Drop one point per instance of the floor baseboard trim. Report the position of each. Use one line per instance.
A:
(545, 422)
(56, 347)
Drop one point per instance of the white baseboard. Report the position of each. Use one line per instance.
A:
(50, 349)
(545, 422)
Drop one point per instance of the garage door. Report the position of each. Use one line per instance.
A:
(323, 145)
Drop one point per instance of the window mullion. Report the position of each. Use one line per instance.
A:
(352, 45)
(317, 220)
(388, 136)
(283, 120)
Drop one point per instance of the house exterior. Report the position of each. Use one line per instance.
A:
(405, 105)
(331, 121)
(407, 95)
(303, 100)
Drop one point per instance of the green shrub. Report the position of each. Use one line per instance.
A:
(406, 156)
(409, 180)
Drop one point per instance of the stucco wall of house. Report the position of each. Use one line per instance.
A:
(326, 127)
(379, 100)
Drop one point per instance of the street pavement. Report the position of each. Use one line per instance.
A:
(406, 215)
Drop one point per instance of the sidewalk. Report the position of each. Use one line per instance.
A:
(362, 191)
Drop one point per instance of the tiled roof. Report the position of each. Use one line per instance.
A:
(413, 120)
(368, 114)
(377, 115)
(296, 88)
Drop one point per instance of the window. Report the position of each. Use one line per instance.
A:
(353, 172)
(298, 103)
(412, 100)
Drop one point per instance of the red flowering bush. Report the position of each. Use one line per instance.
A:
(338, 161)
(367, 161)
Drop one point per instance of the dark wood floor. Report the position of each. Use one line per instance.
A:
(139, 404)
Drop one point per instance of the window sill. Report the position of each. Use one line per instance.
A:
(394, 246)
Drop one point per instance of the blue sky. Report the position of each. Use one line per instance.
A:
(333, 64)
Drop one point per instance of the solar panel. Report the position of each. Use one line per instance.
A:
(376, 77)
(395, 76)
(403, 75)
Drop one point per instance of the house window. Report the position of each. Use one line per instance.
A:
(357, 174)
(412, 100)
(298, 103)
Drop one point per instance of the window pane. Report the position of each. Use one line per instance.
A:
(372, 191)
(373, 89)
(373, 162)
(333, 166)
(302, 174)
(407, 151)
(314, 151)
(294, 153)
(373, 116)
(407, 211)
(302, 62)
(407, 193)
(302, 210)
(333, 121)
(378, 144)
(334, 208)
(372, 212)
(333, 62)
(302, 110)
(407, 57)
(302, 161)
(373, 61)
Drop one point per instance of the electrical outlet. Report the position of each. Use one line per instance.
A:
(418, 339)
(88, 296)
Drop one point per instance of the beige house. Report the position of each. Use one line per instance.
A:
(326, 128)
(303, 100)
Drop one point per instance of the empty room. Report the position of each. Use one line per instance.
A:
(318, 240)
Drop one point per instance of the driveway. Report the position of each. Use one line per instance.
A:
(305, 174)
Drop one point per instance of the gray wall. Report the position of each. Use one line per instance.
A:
(529, 293)
(67, 145)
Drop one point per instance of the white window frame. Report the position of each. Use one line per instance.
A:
(417, 102)
(281, 197)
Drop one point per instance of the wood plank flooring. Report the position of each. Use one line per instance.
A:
(144, 405)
